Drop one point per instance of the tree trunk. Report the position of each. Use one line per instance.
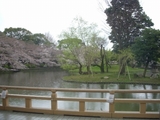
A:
(145, 69)
(102, 59)
(106, 60)
(88, 69)
(80, 68)
(122, 67)
(102, 65)
(107, 66)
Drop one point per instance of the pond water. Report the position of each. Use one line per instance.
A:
(53, 78)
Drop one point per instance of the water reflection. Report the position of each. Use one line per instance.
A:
(53, 78)
(33, 78)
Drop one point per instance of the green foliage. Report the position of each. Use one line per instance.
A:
(40, 39)
(80, 29)
(69, 66)
(80, 44)
(147, 47)
(124, 57)
(17, 33)
(70, 43)
(127, 20)
(27, 36)
(111, 56)
(71, 52)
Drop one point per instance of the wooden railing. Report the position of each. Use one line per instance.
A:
(142, 113)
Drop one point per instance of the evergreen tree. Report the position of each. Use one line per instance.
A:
(127, 20)
(17, 33)
(147, 48)
(25, 35)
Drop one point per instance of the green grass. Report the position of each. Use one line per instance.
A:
(112, 75)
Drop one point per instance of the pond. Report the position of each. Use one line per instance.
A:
(53, 78)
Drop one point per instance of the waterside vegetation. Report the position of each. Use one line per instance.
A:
(133, 76)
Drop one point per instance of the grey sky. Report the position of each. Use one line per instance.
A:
(53, 16)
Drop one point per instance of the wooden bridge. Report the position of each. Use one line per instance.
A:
(141, 113)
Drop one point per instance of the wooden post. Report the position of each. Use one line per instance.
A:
(54, 101)
(142, 108)
(28, 103)
(5, 99)
(111, 103)
(81, 106)
(111, 107)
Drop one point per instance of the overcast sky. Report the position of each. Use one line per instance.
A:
(53, 16)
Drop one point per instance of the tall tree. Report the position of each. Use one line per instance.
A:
(127, 20)
(147, 48)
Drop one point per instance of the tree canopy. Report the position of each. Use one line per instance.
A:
(40, 39)
(147, 47)
(82, 38)
(72, 53)
(17, 33)
(27, 36)
(127, 20)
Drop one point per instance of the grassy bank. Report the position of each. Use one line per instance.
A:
(112, 77)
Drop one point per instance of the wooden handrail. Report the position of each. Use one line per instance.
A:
(120, 100)
(79, 90)
(26, 88)
(117, 100)
(82, 111)
(29, 96)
